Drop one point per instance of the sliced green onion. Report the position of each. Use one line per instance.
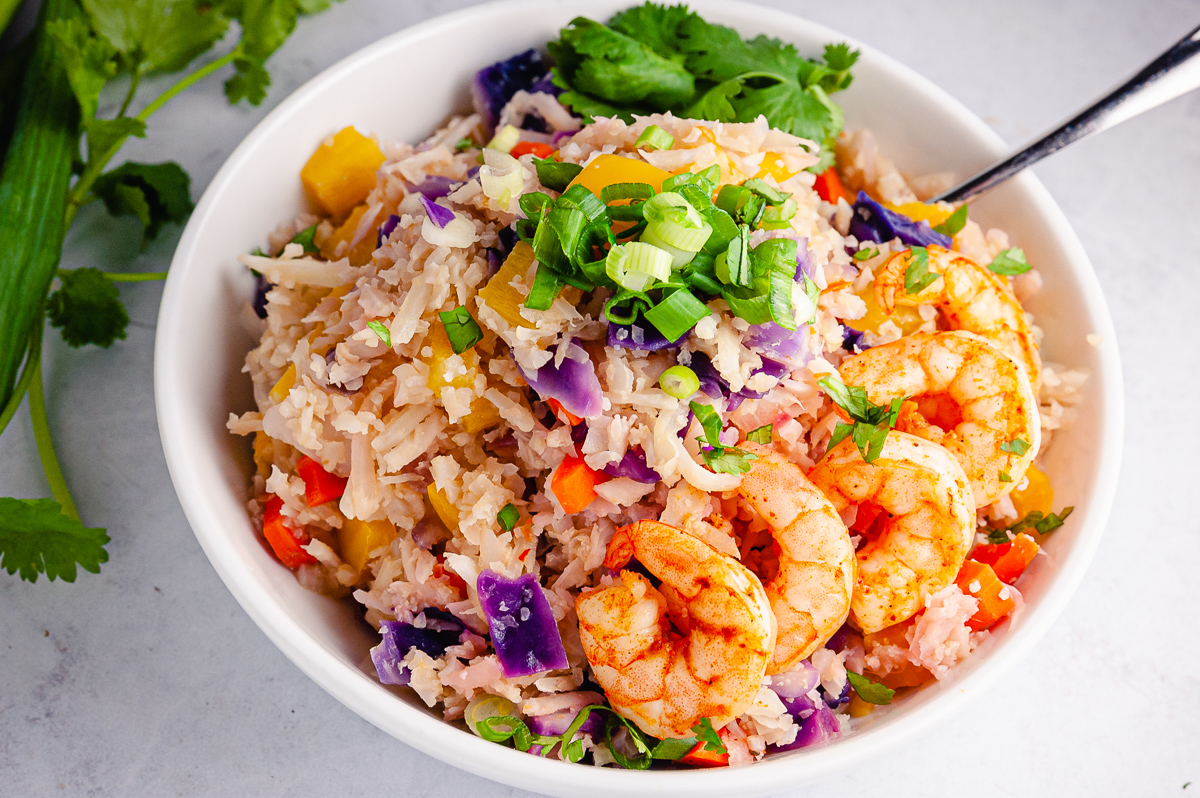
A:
(706, 180)
(626, 213)
(554, 175)
(547, 283)
(766, 191)
(679, 381)
(732, 266)
(777, 217)
(780, 300)
(749, 305)
(505, 139)
(671, 220)
(462, 330)
(636, 302)
(741, 203)
(500, 176)
(637, 265)
(679, 257)
(654, 138)
(484, 706)
(620, 191)
(676, 314)
(724, 230)
(508, 517)
(776, 255)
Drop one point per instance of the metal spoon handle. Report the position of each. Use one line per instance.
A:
(1175, 72)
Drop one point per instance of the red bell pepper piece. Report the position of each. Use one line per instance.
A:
(319, 485)
(979, 580)
(282, 538)
(829, 186)
(700, 757)
(538, 148)
(1008, 560)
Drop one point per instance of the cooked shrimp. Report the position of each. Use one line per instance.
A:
(966, 394)
(971, 298)
(925, 525)
(810, 595)
(710, 666)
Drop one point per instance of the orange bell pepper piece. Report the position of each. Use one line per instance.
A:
(319, 485)
(1008, 560)
(539, 149)
(829, 187)
(574, 484)
(563, 413)
(979, 580)
(282, 538)
(699, 757)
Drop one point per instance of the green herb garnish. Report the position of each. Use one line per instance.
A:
(872, 422)
(381, 329)
(719, 457)
(461, 329)
(305, 239)
(760, 435)
(508, 517)
(954, 223)
(917, 276)
(1017, 446)
(1009, 262)
(865, 254)
(869, 691)
(462, 145)
(1004, 477)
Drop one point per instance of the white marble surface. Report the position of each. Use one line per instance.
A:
(148, 679)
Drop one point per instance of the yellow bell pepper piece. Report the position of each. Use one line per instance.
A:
(1036, 496)
(920, 212)
(442, 506)
(907, 318)
(482, 416)
(499, 293)
(341, 173)
(360, 255)
(442, 351)
(264, 453)
(357, 539)
(606, 170)
(774, 166)
(280, 390)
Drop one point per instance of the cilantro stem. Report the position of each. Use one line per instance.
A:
(32, 356)
(94, 168)
(45, 446)
(134, 81)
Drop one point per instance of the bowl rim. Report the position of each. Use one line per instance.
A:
(439, 739)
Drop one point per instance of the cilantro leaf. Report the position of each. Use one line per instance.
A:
(917, 276)
(87, 308)
(1043, 524)
(706, 733)
(156, 35)
(305, 239)
(760, 435)
(851, 398)
(1004, 476)
(710, 422)
(36, 538)
(872, 422)
(869, 691)
(154, 193)
(839, 58)
(90, 61)
(655, 26)
(728, 460)
(1010, 261)
(865, 254)
(954, 223)
(265, 25)
(102, 134)
(673, 748)
(381, 329)
(1017, 446)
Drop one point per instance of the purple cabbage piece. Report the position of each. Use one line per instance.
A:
(835, 701)
(818, 728)
(508, 239)
(710, 381)
(556, 723)
(385, 229)
(261, 286)
(780, 341)
(841, 638)
(438, 214)
(633, 466)
(639, 336)
(805, 267)
(852, 339)
(560, 136)
(495, 85)
(441, 631)
(799, 706)
(796, 682)
(434, 187)
(524, 632)
(545, 86)
(579, 434)
(774, 368)
(873, 222)
(573, 384)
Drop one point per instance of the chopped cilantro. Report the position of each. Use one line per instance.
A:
(871, 421)
(1004, 477)
(917, 276)
(760, 434)
(382, 331)
(1043, 524)
(155, 193)
(463, 145)
(869, 691)
(954, 223)
(305, 239)
(1016, 446)
(708, 735)
(1010, 261)
(865, 254)
(462, 330)
(508, 517)
(720, 458)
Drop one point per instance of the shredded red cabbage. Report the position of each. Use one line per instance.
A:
(805, 267)
(640, 336)
(261, 286)
(441, 631)
(710, 381)
(633, 466)
(524, 632)
(818, 728)
(852, 339)
(438, 214)
(873, 222)
(385, 229)
(495, 85)
(434, 187)
(573, 383)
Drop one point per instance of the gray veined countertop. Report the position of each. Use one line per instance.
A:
(149, 679)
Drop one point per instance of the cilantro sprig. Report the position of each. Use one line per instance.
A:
(1042, 523)
(917, 276)
(59, 163)
(872, 422)
(717, 456)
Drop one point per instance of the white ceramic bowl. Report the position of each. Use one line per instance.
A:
(197, 379)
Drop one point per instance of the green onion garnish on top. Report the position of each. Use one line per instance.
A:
(461, 329)
(676, 314)
(637, 265)
(508, 517)
(679, 382)
(654, 138)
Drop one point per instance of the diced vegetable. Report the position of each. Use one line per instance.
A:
(907, 318)
(495, 85)
(829, 187)
(341, 173)
(605, 170)
(921, 212)
(676, 314)
(360, 253)
(442, 375)
(637, 336)
(501, 177)
(357, 539)
(499, 293)
(524, 632)
(283, 540)
(279, 391)
(538, 149)
(264, 453)
(484, 706)
(818, 728)
(319, 485)
(979, 580)
(563, 413)
(679, 382)
(442, 506)
(574, 484)
(633, 466)
(505, 139)
(441, 630)
(701, 757)
(637, 265)
(1036, 496)
(654, 138)
(1008, 560)
(573, 383)
(873, 222)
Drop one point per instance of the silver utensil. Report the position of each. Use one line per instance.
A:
(1175, 72)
